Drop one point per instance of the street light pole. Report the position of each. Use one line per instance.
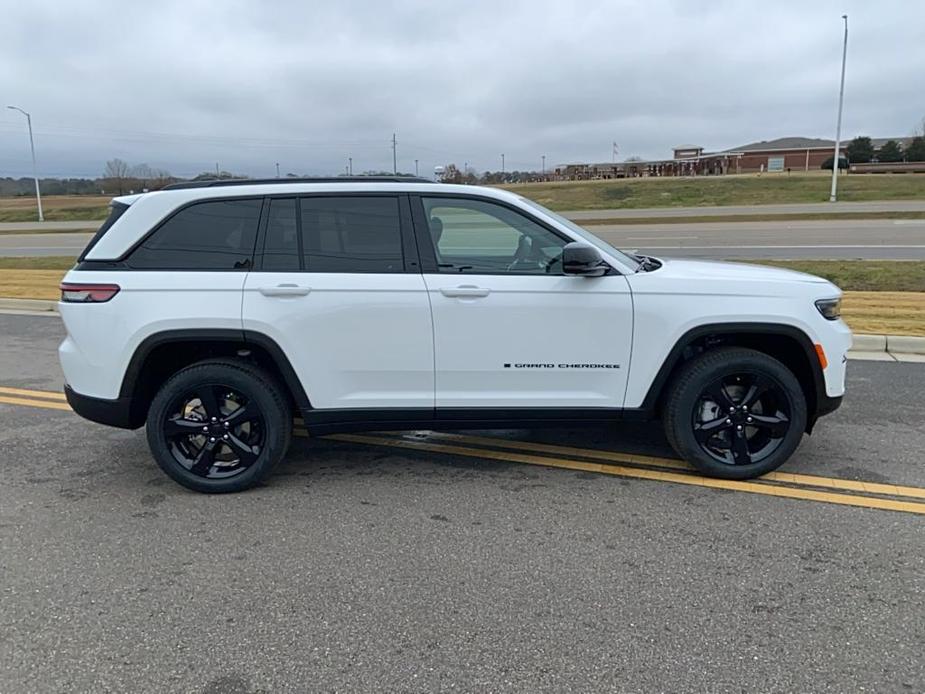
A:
(35, 175)
(277, 169)
(841, 99)
(544, 164)
(502, 164)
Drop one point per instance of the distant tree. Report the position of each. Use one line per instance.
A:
(842, 163)
(451, 174)
(890, 151)
(916, 149)
(860, 150)
(634, 158)
(115, 175)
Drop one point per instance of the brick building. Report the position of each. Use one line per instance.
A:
(793, 153)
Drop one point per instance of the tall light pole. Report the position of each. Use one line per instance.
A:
(841, 100)
(394, 155)
(544, 164)
(502, 164)
(277, 169)
(350, 166)
(415, 167)
(35, 175)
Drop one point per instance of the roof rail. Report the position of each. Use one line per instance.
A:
(218, 183)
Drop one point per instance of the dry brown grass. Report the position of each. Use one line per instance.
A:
(30, 284)
(889, 313)
(878, 313)
(57, 208)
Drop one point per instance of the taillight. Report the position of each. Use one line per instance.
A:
(87, 293)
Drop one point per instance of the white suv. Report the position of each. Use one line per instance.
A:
(213, 313)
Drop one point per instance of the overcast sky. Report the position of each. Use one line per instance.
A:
(183, 85)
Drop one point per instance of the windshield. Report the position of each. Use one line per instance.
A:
(627, 260)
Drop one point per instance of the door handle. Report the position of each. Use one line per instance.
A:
(465, 290)
(285, 290)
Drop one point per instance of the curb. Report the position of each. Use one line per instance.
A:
(892, 344)
(28, 305)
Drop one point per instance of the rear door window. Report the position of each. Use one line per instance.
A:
(281, 242)
(351, 234)
(210, 235)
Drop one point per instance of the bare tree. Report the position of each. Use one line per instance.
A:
(115, 173)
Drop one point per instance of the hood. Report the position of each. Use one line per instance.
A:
(718, 270)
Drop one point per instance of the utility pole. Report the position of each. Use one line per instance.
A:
(277, 169)
(502, 163)
(614, 153)
(544, 164)
(217, 174)
(35, 175)
(841, 99)
(394, 155)
(350, 166)
(415, 167)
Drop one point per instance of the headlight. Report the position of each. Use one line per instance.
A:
(829, 308)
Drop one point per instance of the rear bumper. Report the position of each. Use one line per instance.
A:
(114, 413)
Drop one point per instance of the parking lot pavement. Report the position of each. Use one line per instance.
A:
(398, 565)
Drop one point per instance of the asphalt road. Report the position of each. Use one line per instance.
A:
(890, 239)
(372, 568)
(799, 208)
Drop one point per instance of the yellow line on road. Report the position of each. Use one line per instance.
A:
(53, 401)
(643, 473)
(43, 394)
(617, 457)
(47, 404)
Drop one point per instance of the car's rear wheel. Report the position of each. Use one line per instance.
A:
(219, 426)
(735, 413)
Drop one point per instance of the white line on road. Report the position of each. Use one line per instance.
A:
(659, 238)
(881, 246)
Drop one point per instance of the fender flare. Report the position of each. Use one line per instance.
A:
(245, 337)
(823, 403)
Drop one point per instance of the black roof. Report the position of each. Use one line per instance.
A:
(217, 183)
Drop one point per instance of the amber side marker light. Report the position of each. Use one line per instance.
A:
(87, 293)
(823, 362)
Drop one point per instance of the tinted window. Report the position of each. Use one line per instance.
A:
(281, 247)
(116, 209)
(216, 235)
(351, 234)
(472, 236)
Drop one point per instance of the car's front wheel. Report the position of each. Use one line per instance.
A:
(219, 426)
(735, 413)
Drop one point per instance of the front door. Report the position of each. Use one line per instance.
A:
(511, 330)
(338, 288)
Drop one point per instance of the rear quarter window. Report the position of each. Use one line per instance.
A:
(116, 210)
(208, 235)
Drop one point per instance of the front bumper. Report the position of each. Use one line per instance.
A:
(114, 413)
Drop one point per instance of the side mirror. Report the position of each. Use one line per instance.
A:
(582, 259)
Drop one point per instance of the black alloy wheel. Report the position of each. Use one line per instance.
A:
(214, 431)
(742, 418)
(734, 413)
(219, 425)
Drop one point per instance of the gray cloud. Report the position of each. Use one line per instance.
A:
(183, 85)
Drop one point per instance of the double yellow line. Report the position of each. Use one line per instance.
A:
(886, 497)
(833, 490)
(33, 398)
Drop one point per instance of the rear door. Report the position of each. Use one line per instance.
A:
(337, 285)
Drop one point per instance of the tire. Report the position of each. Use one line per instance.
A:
(240, 447)
(759, 402)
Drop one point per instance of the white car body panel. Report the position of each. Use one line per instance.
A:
(355, 340)
(101, 338)
(543, 328)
